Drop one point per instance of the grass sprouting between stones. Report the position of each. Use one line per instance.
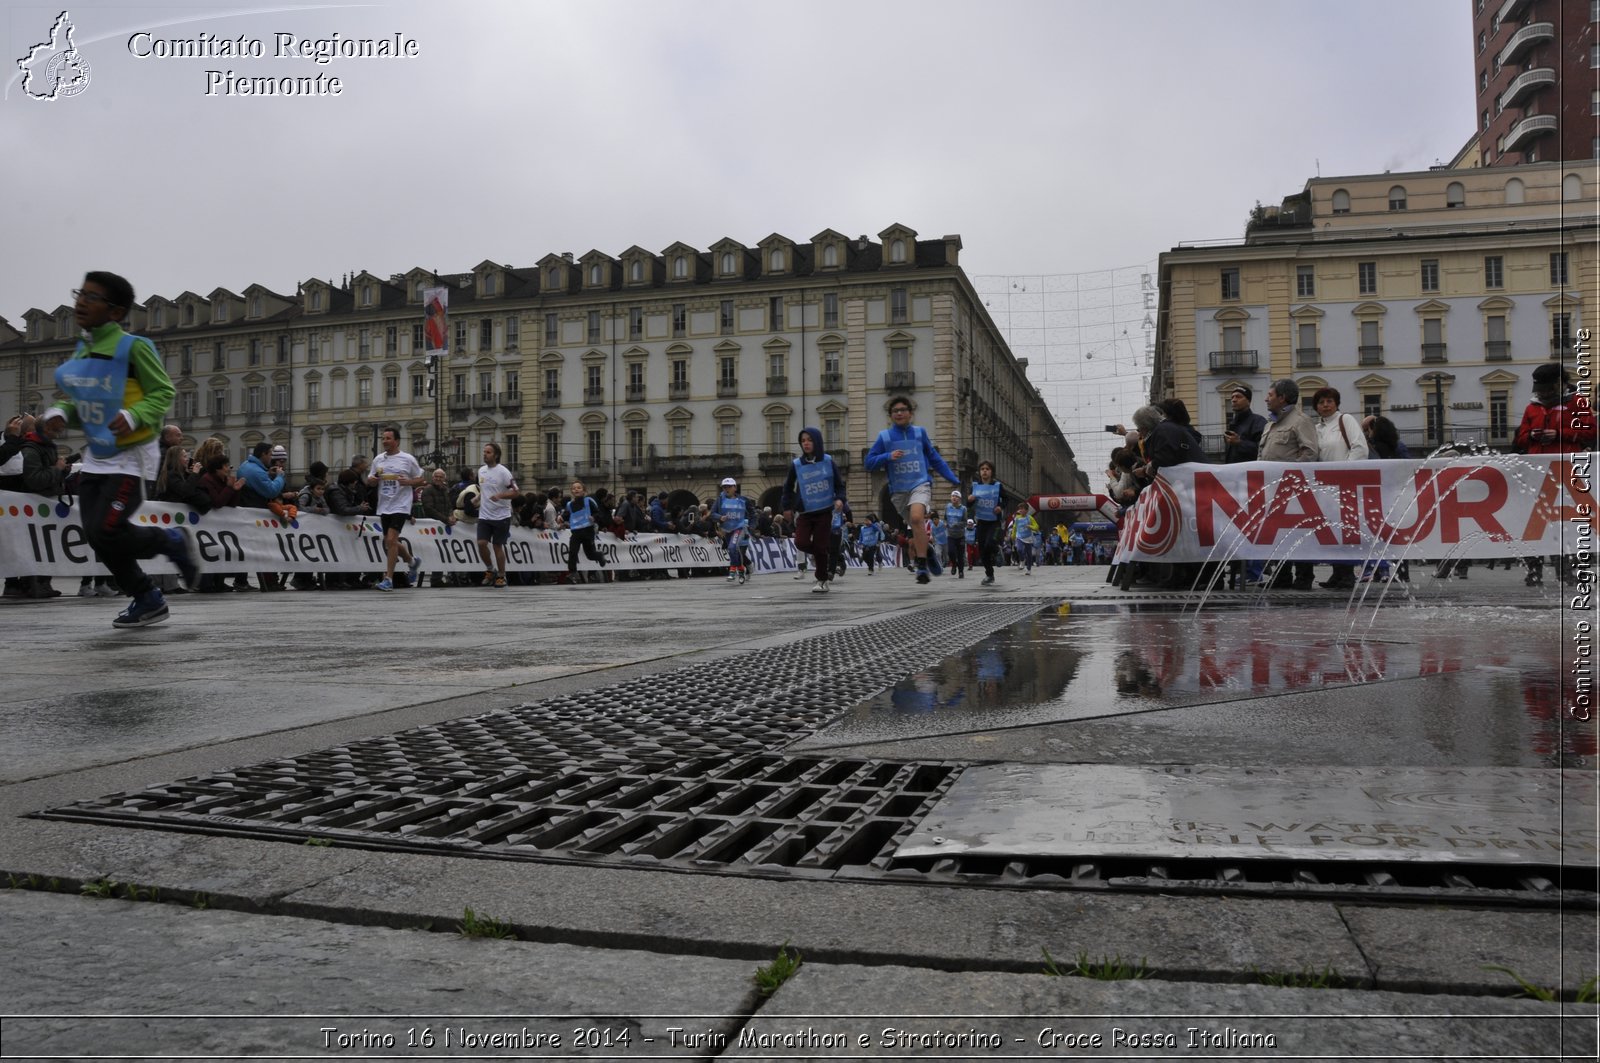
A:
(1106, 969)
(474, 925)
(783, 966)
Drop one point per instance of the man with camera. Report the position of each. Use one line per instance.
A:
(264, 476)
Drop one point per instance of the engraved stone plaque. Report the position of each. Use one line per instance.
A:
(1477, 815)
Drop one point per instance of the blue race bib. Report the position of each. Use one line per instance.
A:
(987, 497)
(579, 519)
(814, 481)
(97, 388)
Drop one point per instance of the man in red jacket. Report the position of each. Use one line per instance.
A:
(1557, 421)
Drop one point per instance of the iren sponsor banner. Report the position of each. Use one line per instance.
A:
(1501, 505)
(43, 537)
(779, 555)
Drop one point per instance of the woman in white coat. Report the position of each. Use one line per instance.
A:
(1339, 438)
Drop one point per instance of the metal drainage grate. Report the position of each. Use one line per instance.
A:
(683, 770)
(675, 769)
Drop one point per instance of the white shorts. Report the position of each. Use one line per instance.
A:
(922, 495)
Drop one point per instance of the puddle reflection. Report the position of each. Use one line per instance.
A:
(1061, 665)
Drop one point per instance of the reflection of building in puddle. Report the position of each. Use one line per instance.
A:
(1133, 677)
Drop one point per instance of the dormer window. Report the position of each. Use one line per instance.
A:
(680, 267)
(416, 293)
(157, 317)
(727, 263)
(255, 306)
(830, 256)
(366, 295)
(316, 299)
(219, 312)
(488, 284)
(636, 271)
(897, 250)
(594, 274)
(188, 313)
(555, 276)
(777, 261)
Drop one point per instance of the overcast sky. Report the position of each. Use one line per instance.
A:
(1068, 142)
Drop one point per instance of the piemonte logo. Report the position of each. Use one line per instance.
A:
(54, 69)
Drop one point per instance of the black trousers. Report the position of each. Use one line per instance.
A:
(958, 554)
(988, 545)
(583, 537)
(107, 503)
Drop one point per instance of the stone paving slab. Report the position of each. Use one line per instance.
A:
(825, 1011)
(70, 956)
(1418, 951)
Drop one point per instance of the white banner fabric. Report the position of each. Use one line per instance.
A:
(1497, 505)
(43, 537)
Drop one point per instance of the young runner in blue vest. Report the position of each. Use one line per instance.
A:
(1024, 534)
(955, 524)
(118, 391)
(732, 512)
(871, 535)
(985, 501)
(908, 455)
(813, 485)
(583, 516)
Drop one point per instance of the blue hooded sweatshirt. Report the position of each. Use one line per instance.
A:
(823, 481)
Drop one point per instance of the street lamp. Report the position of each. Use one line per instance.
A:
(436, 456)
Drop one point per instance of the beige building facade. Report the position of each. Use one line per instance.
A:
(651, 370)
(1428, 297)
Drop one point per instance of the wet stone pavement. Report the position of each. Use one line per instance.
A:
(1053, 734)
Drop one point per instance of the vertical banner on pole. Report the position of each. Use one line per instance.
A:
(435, 309)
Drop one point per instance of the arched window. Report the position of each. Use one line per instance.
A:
(594, 273)
(1572, 187)
(680, 267)
(830, 255)
(1341, 201)
(555, 276)
(488, 284)
(777, 261)
(1455, 195)
(897, 250)
(727, 262)
(1397, 198)
(1514, 190)
(637, 272)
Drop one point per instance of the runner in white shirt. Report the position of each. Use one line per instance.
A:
(395, 473)
(496, 489)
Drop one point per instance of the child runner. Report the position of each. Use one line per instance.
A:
(955, 523)
(583, 520)
(810, 491)
(731, 511)
(985, 500)
(1024, 535)
(871, 536)
(911, 459)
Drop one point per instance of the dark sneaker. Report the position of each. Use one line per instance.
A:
(149, 608)
(183, 552)
(922, 576)
(933, 564)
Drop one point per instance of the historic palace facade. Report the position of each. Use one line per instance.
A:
(656, 370)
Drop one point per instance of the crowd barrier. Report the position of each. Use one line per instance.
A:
(43, 537)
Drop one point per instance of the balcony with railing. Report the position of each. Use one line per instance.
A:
(1526, 84)
(280, 416)
(841, 459)
(484, 400)
(1497, 350)
(1510, 10)
(677, 391)
(694, 464)
(1525, 38)
(777, 385)
(728, 388)
(595, 470)
(1370, 354)
(1308, 357)
(550, 398)
(900, 380)
(219, 420)
(1433, 352)
(594, 396)
(774, 462)
(634, 393)
(832, 383)
(1530, 129)
(511, 401)
(1235, 361)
